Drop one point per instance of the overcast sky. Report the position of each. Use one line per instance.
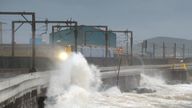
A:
(146, 18)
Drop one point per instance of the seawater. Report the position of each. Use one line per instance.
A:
(75, 85)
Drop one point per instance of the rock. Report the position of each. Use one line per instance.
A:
(144, 90)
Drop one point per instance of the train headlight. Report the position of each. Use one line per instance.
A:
(62, 56)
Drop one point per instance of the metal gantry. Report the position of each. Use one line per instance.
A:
(106, 37)
(131, 41)
(33, 26)
(36, 22)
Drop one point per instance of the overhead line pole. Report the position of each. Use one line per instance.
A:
(33, 69)
(131, 55)
(175, 50)
(36, 22)
(118, 31)
(131, 42)
(153, 50)
(13, 40)
(33, 43)
(183, 51)
(163, 50)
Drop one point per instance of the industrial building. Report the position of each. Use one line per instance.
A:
(90, 40)
(87, 36)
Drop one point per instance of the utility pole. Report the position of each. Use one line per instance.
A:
(76, 33)
(131, 55)
(85, 39)
(33, 43)
(106, 36)
(127, 52)
(127, 48)
(53, 36)
(131, 41)
(142, 49)
(106, 42)
(163, 50)
(1, 32)
(153, 50)
(127, 45)
(13, 40)
(32, 14)
(188, 53)
(145, 46)
(183, 51)
(174, 50)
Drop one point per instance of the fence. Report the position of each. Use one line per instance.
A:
(163, 50)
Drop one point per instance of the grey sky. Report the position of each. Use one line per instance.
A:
(147, 18)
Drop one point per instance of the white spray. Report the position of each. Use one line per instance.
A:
(75, 85)
(70, 86)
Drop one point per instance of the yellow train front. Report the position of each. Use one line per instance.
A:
(62, 52)
(179, 72)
